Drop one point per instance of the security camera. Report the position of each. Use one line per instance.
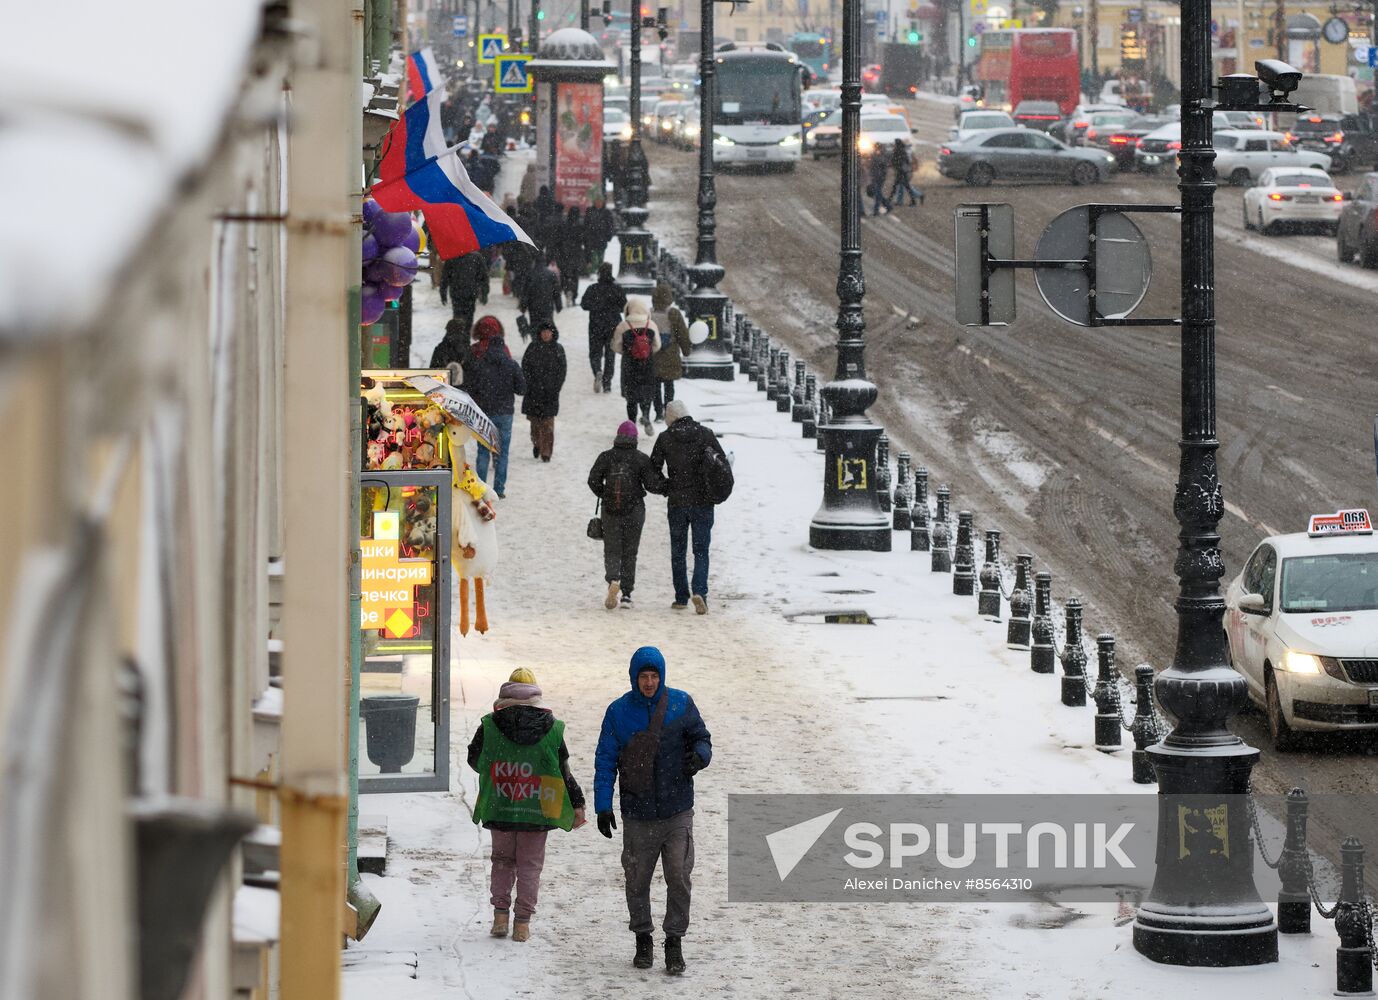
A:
(1280, 78)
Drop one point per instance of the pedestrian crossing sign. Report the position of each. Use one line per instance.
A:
(510, 75)
(490, 47)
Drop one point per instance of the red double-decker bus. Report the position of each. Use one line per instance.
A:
(1030, 64)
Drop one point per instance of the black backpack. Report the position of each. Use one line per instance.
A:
(715, 473)
(621, 485)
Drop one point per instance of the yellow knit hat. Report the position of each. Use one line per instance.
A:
(522, 676)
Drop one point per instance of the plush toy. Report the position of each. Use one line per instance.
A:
(376, 454)
(393, 461)
(473, 533)
(424, 456)
(374, 399)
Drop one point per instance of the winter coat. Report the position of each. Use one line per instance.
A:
(902, 162)
(451, 349)
(598, 227)
(682, 729)
(878, 168)
(645, 475)
(462, 277)
(526, 724)
(544, 367)
(679, 448)
(635, 372)
(668, 362)
(569, 251)
(493, 378)
(542, 295)
(604, 302)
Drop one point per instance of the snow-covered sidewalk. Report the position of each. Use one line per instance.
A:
(928, 699)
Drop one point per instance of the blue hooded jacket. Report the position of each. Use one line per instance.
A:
(682, 730)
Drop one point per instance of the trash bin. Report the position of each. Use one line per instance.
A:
(391, 729)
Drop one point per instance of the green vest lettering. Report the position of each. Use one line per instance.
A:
(522, 784)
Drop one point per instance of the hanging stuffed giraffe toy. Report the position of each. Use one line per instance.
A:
(473, 527)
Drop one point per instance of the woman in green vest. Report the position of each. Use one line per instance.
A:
(525, 790)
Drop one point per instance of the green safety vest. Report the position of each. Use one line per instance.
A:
(522, 784)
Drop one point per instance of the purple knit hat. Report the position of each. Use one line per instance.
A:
(627, 429)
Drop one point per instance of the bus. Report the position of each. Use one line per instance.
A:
(757, 111)
(1030, 64)
(811, 49)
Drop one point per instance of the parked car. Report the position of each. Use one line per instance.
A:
(1041, 115)
(1242, 157)
(1357, 232)
(1351, 140)
(1285, 195)
(973, 122)
(1069, 129)
(1022, 154)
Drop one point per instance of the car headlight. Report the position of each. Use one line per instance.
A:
(626, 132)
(1109, 158)
(1301, 663)
(865, 145)
(721, 140)
(666, 125)
(790, 140)
(691, 130)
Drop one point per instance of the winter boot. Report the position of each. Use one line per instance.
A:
(597, 382)
(674, 956)
(627, 601)
(499, 924)
(521, 930)
(645, 945)
(610, 602)
(700, 605)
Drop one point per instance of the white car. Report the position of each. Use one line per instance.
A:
(882, 130)
(1290, 195)
(1301, 621)
(973, 122)
(1242, 156)
(823, 99)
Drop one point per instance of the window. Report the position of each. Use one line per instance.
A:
(1340, 582)
(1008, 140)
(1255, 145)
(1037, 141)
(1259, 573)
(1226, 142)
(1281, 146)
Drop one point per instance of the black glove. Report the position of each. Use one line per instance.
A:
(693, 763)
(606, 824)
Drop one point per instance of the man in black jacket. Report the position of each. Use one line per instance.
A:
(542, 297)
(621, 477)
(494, 380)
(604, 301)
(680, 449)
(462, 281)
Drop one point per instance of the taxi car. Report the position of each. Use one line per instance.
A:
(1301, 622)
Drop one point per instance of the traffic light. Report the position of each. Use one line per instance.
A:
(663, 23)
(607, 13)
(540, 15)
(971, 41)
(913, 37)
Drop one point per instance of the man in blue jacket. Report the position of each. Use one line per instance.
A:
(658, 824)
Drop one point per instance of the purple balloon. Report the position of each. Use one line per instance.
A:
(371, 211)
(401, 264)
(371, 248)
(391, 228)
(413, 240)
(371, 305)
(391, 293)
(377, 272)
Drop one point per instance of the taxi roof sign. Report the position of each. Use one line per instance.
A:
(1342, 522)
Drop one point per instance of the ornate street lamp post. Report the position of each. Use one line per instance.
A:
(634, 270)
(850, 517)
(1204, 908)
(710, 359)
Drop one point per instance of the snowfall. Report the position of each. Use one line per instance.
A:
(928, 699)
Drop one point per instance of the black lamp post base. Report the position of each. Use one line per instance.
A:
(850, 537)
(850, 519)
(1160, 938)
(712, 359)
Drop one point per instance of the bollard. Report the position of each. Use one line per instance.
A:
(988, 600)
(796, 412)
(1021, 601)
(883, 471)
(1145, 728)
(902, 497)
(768, 377)
(809, 422)
(784, 392)
(1353, 960)
(964, 557)
(1073, 658)
(1106, 696)
(753, 352)
(768, 354)
(941, 535)
(1041, 650)
(824, 415)
(748, 340)
(738, 329)
(1294, 902)
(918, 516)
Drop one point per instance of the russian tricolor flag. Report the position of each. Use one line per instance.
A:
(418, 172)
(423, 74)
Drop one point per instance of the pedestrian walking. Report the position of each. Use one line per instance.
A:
(652, 744)
(494, 380)
(525, 790)
(902, 163)
(668, 362)
(542, 296)
(569, 254)
(464, 280)
(620, 478)
(690, 454)
(599, 227)
(637, 339)
(879, 167)
(453, 347)
(543, 364)
(604, 301)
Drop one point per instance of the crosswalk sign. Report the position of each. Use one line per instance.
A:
(490, 47)
(510, 75)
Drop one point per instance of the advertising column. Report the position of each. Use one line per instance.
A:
(578, 143)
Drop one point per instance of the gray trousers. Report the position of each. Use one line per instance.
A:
(671, 841)
(621, 541)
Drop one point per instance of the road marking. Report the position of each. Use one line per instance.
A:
(1286, 395)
